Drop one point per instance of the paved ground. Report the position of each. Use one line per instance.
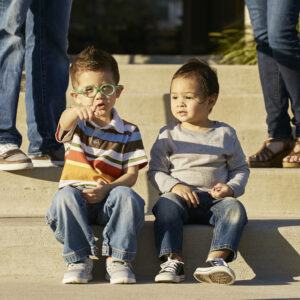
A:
(33, 288)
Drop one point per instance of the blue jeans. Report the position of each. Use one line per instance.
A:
(278, 53)
(228, 216)
(46, 67)
(70, 218)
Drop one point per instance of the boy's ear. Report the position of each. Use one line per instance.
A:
(119, 91)
(75, 97)
(212, 100)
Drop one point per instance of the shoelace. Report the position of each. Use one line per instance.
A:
(170, 265)
(217, 262)
(116, 263)
(77, 265)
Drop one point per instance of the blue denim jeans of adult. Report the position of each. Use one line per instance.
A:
(122, 214)
(46, 67)
(278, 52)
(227, 215)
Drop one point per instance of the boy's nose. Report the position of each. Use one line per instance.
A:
(99, 95)
(180, 102)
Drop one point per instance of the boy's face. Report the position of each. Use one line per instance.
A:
(101, 104)
(188, 104)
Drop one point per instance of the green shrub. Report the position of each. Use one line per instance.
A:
(235, 46)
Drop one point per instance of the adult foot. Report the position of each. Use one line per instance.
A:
(271, 153)
(48, 158)
(292, 160)
(12, 158)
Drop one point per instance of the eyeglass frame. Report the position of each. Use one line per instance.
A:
(98, 89)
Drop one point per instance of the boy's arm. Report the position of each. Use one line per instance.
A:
(71, 115)
(159, 174)
(100, 192)
(68, 121)
(159, 166)
(238, 170)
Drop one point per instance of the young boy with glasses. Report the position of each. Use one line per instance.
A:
(199, 168)
(103, 156)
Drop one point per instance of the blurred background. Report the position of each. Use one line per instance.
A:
(154, 26)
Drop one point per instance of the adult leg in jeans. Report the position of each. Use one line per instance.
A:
(12, 17)
(274, 90)
(274, 23)
(47, 68)
(283, 17)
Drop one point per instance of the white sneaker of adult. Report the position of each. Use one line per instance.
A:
(12, 158)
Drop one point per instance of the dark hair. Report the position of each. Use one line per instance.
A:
(92, 59)
(206, 76)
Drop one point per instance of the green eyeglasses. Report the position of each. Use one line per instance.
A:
(106, 89)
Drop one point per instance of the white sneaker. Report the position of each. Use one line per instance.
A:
(218, 272)
(119, 271)
(171, 271)
(12, 158)
(79, 272)
(48, 158)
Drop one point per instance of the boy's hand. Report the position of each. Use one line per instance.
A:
(96, 194)
(221, 190)
(187, 194)
(84, 112)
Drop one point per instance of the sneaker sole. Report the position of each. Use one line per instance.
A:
(75, 280)
(16, 167)
(46, 163)
(215, 276)
(164, 278)
(121, 280)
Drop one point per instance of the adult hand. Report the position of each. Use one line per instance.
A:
(187, 194)
(221, 190)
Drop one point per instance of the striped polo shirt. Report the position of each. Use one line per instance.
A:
(100, 153)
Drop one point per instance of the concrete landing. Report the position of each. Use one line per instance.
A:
(49, 288)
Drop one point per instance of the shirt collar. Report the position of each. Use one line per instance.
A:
(116, 123)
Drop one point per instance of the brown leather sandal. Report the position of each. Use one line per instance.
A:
(266, 158)
(294, 152)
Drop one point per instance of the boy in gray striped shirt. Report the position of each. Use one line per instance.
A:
(199, 168)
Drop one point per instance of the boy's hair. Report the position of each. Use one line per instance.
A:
(92, 59)
(206, 76)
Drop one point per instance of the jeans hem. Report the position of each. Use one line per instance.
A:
(10, 141)
(80, 254)
(232, 256)
(124, 255)
(169, 251)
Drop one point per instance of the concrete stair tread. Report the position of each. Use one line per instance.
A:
(269, 249)
(269, 192)
(49, 288)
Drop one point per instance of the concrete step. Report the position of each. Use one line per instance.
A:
(49, 288)
(156, 78)
(269, 250)
(145, 99)
(269, 193)
(151, 111)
